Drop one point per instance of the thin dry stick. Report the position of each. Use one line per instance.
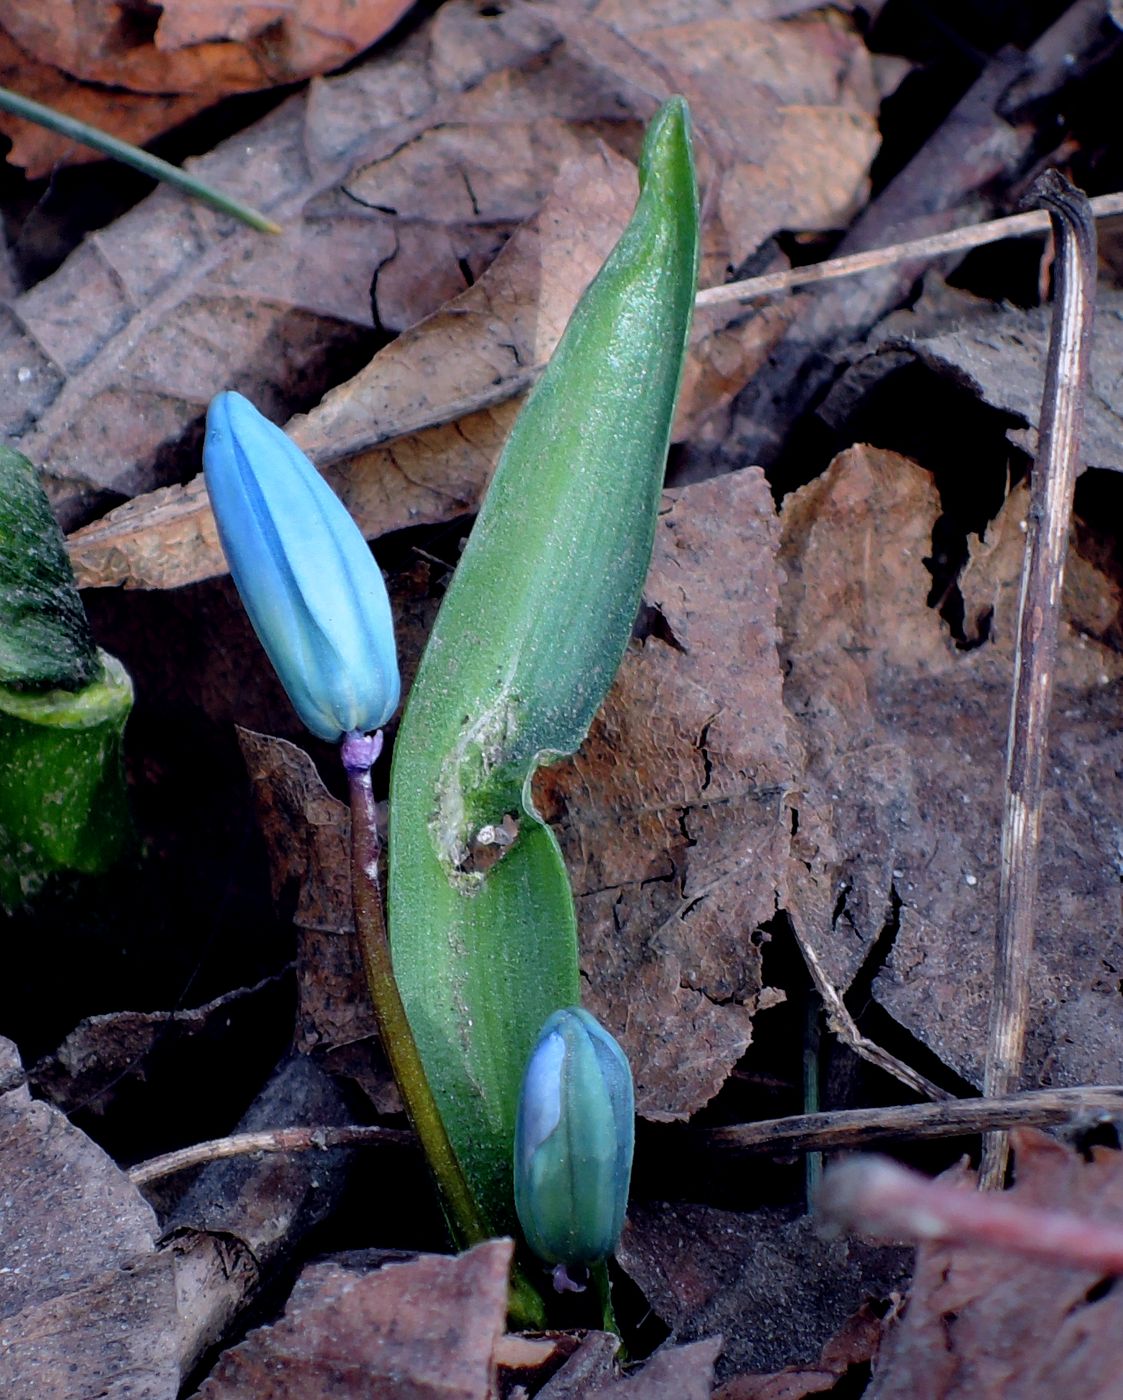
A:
(803, 1132)
(849, 1128)
(877, 1197)
(366, 436)
(267, 1140)
(1054, 475)
(842, 1024)
(956, 240)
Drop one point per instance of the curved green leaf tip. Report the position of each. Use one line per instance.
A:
(528, 640)
(45, 640)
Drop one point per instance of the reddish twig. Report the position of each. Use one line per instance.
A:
(874, 1196)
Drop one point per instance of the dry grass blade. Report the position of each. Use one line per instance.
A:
(1054, 476)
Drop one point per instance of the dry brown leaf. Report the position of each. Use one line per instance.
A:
(308, 833)
(902, 795)
(999, 353)
(136, 76)
(129, 116)
(115, 357)
(425, 1329)
(855, 1344)
(770, 1285)
(672, 1373)
(103, 1055)
(673, 816)
(590, 1368)
(979, 1322)
(515, 95)
(509, 320)
(86, 1307)
(210, 46)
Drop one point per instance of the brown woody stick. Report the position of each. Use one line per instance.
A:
(1054, 475)
(858, 1127)
(802, 1132)
(286, 1140)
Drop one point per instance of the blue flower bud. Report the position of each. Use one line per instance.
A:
(574, 1135)
(306, 576)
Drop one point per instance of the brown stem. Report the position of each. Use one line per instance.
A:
(1035, 658)
(359, 752)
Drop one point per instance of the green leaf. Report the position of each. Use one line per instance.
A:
(528, 639)
(45, 640)
(62, 783)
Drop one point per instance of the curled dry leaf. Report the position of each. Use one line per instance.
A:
(998, 353)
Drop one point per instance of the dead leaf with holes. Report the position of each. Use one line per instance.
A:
(896, 869)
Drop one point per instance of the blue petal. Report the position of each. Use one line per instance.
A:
(308, 581)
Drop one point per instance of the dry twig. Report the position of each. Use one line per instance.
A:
(858, 1127)
(267, 1140)
(956, 240)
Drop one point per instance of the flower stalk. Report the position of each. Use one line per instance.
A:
(359, 752)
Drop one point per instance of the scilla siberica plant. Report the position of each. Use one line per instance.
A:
(318, 603)
(529, 636)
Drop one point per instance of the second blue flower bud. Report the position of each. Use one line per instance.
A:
(574, 1136)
